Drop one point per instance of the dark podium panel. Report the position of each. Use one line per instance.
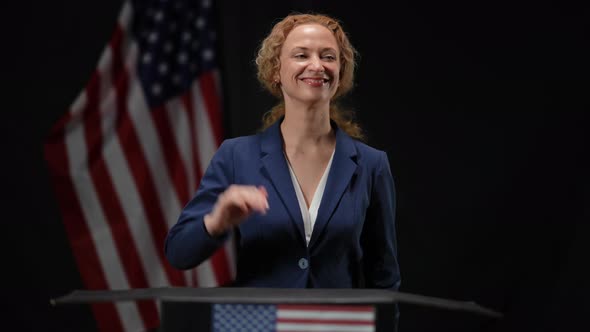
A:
(191, 309)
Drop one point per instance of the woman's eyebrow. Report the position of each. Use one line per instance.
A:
(303, 48)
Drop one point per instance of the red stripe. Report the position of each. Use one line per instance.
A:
(147, 191)
(212, 104)
(326, 321)
(111, 206)
(78, 233)
(319, 307)
(220, 265)
(116, 43)
(189, 106)
(187, 100)
(219, 260)
(172, 156)
(138, 165)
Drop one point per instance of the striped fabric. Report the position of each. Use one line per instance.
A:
(130, 152)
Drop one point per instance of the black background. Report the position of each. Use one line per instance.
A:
(479, 105)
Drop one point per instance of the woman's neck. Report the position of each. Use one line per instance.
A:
(306, 128)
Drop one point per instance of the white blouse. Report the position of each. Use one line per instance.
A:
(309, 215)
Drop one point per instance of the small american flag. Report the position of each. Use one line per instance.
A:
(292, 317)
(130, 152)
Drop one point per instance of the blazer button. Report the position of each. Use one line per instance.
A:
(303, 263)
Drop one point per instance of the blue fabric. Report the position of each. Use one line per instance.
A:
(244, 317)
(353, 243)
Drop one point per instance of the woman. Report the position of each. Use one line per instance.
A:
(309, 204)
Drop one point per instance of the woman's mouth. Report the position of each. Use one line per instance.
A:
(315, 81)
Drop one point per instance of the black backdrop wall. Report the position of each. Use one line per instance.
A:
(480, 107)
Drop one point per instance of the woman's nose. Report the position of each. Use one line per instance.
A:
(316, 64)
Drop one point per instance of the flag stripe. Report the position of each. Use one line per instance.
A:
(148, 152)
(130, 201)
(324, 314)
(309, 317)
(178, 117)
(134, 119)
(220, 266)
(174, 164)
(110, 204)
(333, 308)
(181, 115)
(310, 320)
(212, 105)
(193, 141)
(205, 131)
(206, 275)
(230, 255)
(147, 189)
(126, 190)
(323, 327)
(98, 226)
(203, 127)
(122, 83)
(84, 250)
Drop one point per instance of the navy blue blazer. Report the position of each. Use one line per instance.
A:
(353, 243)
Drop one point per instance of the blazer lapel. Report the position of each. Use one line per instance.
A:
(341, 172)
(275, 165)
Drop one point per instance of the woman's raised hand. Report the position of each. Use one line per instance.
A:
(233, 206)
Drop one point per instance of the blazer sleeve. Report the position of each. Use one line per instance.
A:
(380, 264)
(188, 243)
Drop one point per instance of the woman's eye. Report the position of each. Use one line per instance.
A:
(300, 56)
(329, 57)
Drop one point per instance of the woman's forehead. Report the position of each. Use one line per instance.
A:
(306, 35)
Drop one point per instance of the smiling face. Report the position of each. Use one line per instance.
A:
(310, 65)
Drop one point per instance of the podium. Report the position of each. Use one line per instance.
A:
(203, 309)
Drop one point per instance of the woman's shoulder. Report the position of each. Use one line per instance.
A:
(372, 159)
(239, 141)
(240, 145)
(367, 152)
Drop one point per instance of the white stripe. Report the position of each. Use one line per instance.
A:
(188, 277)
(179, 121)
(151, 147)
(125, 15)
(205, 275)
(97, 224)
(79, 104)
(207, 148)
(205, 135)
(128, 196)
(326, 314)
(324, 327)
(230, 254)
(105, 64)
(105, 70)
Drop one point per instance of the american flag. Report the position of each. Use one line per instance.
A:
(130, 152)
(292, 317)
